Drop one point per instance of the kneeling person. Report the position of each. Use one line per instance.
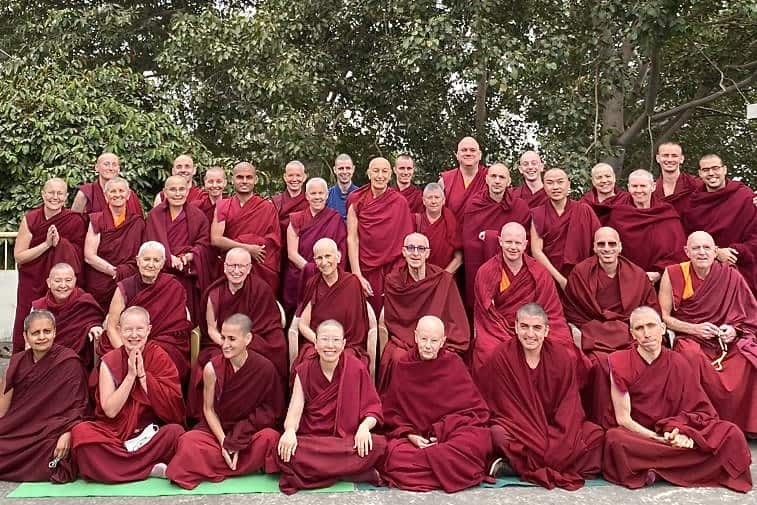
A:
(327, 432)
(435, 417)
(666, 426)
(43, 394)
(242, 394)
(138, 390)
(538, 423)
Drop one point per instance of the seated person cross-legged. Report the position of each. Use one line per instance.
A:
(138, 412)
(43, 394)
(327, 432)
(435, 418)
(664, 424)
(242, 394)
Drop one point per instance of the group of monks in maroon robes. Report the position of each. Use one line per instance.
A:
(395, 263)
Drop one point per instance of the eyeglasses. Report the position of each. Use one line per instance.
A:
(607, 244)
(416, 248)
(711, 169)
(330, 340)
(236, 266)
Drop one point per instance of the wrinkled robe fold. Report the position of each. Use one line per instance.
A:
(666, 395)
(686, 184)
(414, 197)
(532, 199)
(435, 398)
(443, 236)
(456, 193)
(602, 209)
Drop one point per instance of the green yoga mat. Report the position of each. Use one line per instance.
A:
(501, 482)
(161, 487)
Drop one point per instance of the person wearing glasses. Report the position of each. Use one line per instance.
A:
(601, 293)
(328, 427)
(709, 306)
(414, 290)
(504, 283)
(651, 229)
(664, 426)
(483, 216)
(241, 291)
(251, 222)
(726, 210)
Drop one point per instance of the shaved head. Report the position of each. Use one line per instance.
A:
(61, 268)
(175, 179)
(325, 244)
(700, 236)
(513, 227)
(606, 232)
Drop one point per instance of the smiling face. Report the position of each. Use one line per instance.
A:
(498, 180)
(712, 171)
(40, 335)
(61, 283)
(468, 153)
(329, 344)
(603, 179)
(379, 174)
(344, 170)
(116, 195)
(512, 240)
(404, 168)
(234, 341)
(54, 195)
(326, 257)
(150, 262)
(237, 266)
(531, 331)
(294, 177)
(245, 178)
(531, 166)
(185, 167)
(134, 328)
(607, 246)
(416, 250)
(176, 190)
(669, 157)
(641, 188)
(647, 330)
(316, 195)
(215, 182)
(108, 166)
(556, 185)
(701, 250)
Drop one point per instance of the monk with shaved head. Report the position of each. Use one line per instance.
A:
(531, 169)
(184, 232)
(604, 193)
(664, 425)
(91, 196)
(184, 167)
(503, 284)
(714, 315)
(561, 229)
(214, 184)
(483, 216)
(467, 179)
(47, 235)
(248, 221)
(674, 186)
(650, 228)
(378, 218)
(404, 169)
(434, 417)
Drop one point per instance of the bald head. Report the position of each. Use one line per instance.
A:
(61, 268)
(56, 184)
(238, 255)
(513, 228)
(244, 166)
(324, 245)
(700, 237)
(603, 180)
(416, 238)
(429, 337)
(530, 166)
(184, 166)
(468, 153)
(175, 180)
(498, 180)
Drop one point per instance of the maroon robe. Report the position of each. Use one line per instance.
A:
(407, 300)
(532, 199)
(118, 246)
(78, 314)
(96, 201)
(49, 398)
(443, 236)
(435, 398)
(344, 301)
(204, 203)
(326, 435)
(602, 209)
(567, 238)
(494, 311)
(483, 214)
(666, 395)
(32, 276)
(537, 420)
(414, 196)
(246, 402)
(383, 223)
(456, 194)
(98, 446)
(166, 302)
(254, 223)
(722, 298)
(731, 218)
(652, 238)
(686, 184)
(286, 205)
(600, 307)
(310, 229)
(188, 233)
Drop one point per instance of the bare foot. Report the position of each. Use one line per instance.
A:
(159, 470)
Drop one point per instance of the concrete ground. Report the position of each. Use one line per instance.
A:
(659, 494)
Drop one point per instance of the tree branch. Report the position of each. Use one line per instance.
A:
(705, 100)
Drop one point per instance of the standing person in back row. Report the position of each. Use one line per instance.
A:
(467, 179)
(344, 169)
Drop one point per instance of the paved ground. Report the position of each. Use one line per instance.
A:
(660, 494)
